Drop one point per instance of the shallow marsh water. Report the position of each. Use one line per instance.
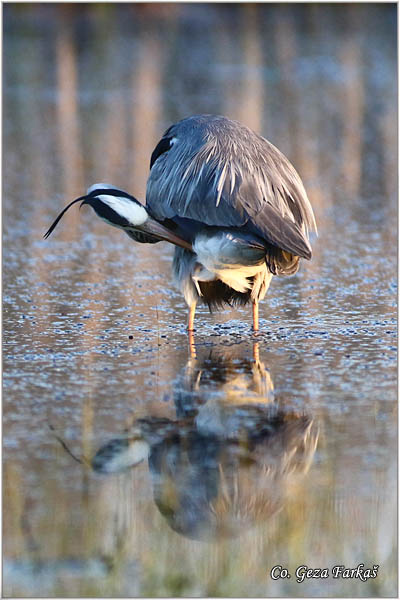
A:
(289, 459)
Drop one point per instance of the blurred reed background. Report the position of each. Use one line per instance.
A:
(88, 90)
(105, 80)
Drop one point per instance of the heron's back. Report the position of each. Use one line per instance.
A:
(218, 172)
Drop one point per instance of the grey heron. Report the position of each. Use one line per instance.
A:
(231, 203)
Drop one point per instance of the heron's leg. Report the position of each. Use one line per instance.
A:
(255, 315)
(192, 310)
(192, 347)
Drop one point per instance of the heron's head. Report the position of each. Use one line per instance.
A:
(120, 209)
(114, 206)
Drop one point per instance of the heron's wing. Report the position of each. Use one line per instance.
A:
(231, 178)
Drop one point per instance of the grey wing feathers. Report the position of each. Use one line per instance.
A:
(220, 173)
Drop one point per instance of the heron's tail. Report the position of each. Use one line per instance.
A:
(280, 262)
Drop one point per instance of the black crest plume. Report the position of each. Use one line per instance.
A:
(54, 225)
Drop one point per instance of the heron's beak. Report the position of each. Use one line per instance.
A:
(154, 228)
(54, 225)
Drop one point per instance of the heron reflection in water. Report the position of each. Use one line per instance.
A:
(231, 203)
(225, 463)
